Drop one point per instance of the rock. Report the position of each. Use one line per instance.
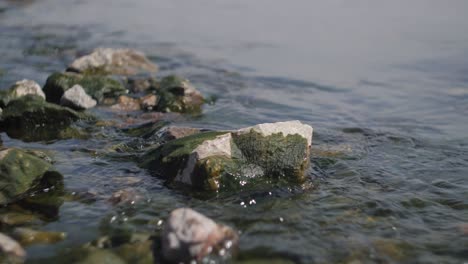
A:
(11, 248)
(19, 89)
(113, 61)
(137, 252)
(214, 160)
(16, 218)
(138, 85)
(127, 103)
(178, 95)
(148, 102)
(101, 256)
(188, 235)
(172, 132)
(98, 87)
(77, 98)
(21, 173)
(27, 236)
(127, 196)
(31, 119)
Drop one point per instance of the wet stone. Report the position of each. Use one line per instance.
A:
(138, 85)
(77, 98)
(17, 218)
(127, 196)
(178, 95)
(216, 160)
(148, 102)
(188, 235)
(98, 87)
(27, 236)
(127, 103)
(21, 173)
(113, 61)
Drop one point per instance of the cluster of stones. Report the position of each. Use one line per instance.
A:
(207, 160)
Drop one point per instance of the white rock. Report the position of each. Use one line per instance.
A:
(10, 247)
(25, 87)
(77, 98)
(286, 128)
(188, 235)
(219, 146)
(114, 61)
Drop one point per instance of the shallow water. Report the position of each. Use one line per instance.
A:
(386, 84)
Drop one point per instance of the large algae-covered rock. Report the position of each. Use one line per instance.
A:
(190, 236)
(19, 89)
(178, 95)
(113, 61)
(31, 118)
(20, 173)
(218, 160)
(99, 87)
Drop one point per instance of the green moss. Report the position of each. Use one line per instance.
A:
(278, 155)
(169, 158)
(173, 97)
(97, 86)
(20, 173)
(30, 118)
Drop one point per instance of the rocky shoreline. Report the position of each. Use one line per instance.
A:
(123, 81)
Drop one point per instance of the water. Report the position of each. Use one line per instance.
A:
(384, 83)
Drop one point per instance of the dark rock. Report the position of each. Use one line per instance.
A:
(98, 87)
(178, 95)
(21, 173)
(31, 119)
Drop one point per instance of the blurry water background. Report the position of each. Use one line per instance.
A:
(385, 82)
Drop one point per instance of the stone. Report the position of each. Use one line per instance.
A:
(11, 248)
(27, 236)
(21, 173)
(77, 98)
(190, 236)
(98, 87)
(148, 102)
(19, 89)
(127, 103)
(173, 132)
(178, 95)
(127, 196)
(216, 160)
(138, 85)
(100, 256)
(30, 118)
(17, 218)
(25, 87)
(113, 61)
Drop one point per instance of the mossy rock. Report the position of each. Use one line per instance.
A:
(30, 118)
(22, 173)
(229, 160)
(178, 95)
(97, 86)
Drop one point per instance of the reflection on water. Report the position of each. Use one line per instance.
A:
(385, 86)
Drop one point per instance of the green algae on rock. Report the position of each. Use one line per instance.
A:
(28, 236)
(21, 173)
(30, 118)
(218, 160)
(113, 61)
(178, 95)
(19, 89)
(98, 87)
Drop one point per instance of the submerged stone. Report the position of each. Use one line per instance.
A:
(27, 236)
(216, 160)
(98, 87)
(31, 119)
(178, 95)
(113, 61)
(100, 256)
(77, 98)
(190, 236)
(17, 218)
(21, 173)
